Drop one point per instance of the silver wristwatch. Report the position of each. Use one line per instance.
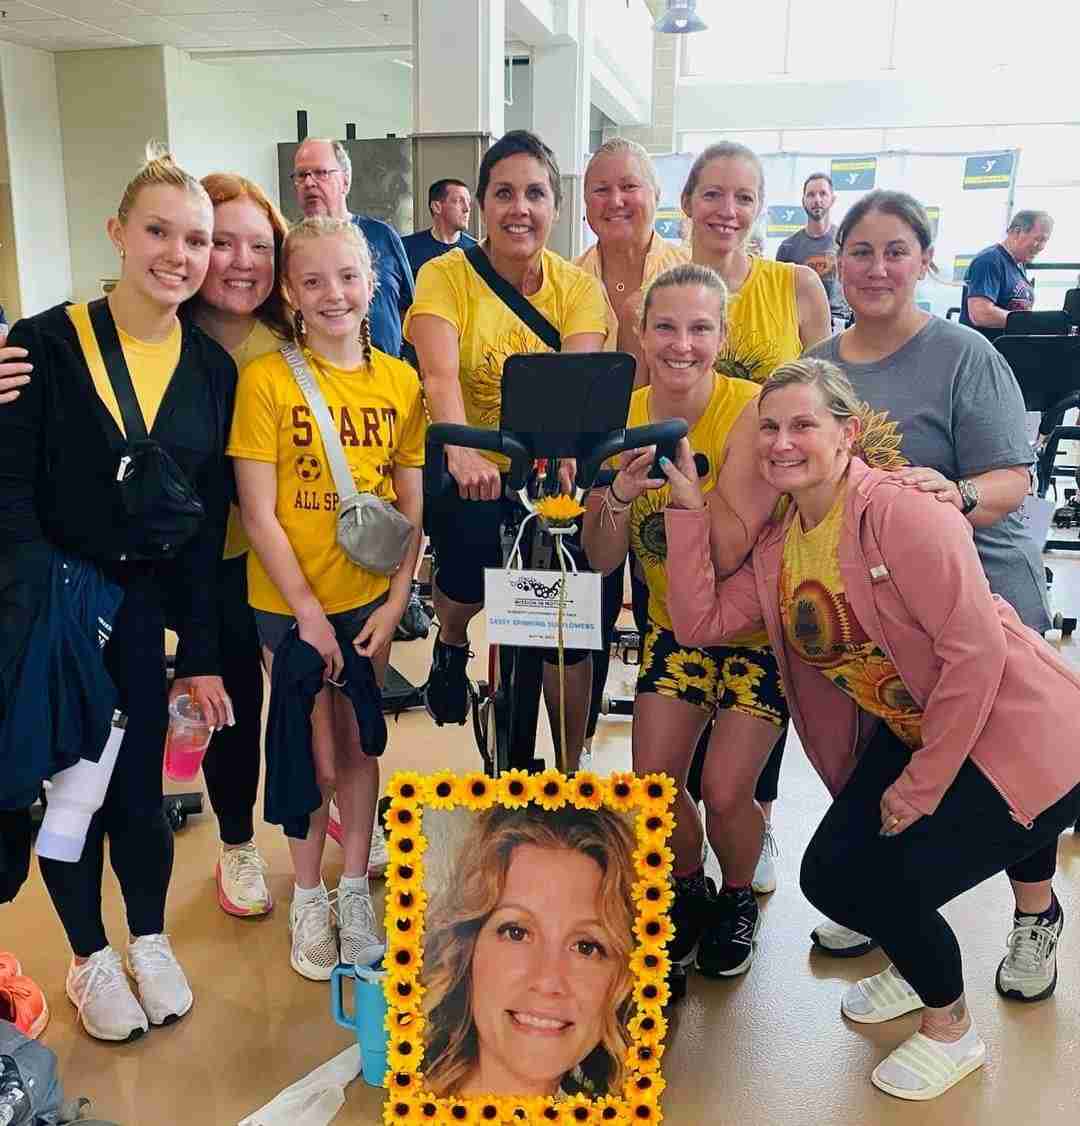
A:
(969, 495)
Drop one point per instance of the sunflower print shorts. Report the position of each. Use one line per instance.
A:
(743, 678)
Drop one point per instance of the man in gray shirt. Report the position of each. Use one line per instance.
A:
(815, 244)
(947, 400)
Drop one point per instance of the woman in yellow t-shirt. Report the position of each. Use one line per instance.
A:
(463, 334)
(298, 576)
(680, 688)
(777, 309)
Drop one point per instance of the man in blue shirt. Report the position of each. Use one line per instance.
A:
(996, 284)
(322, 173)
(449, 202)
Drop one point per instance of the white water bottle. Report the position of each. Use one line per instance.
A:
(74, 796)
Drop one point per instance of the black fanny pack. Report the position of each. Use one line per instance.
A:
(163, 509)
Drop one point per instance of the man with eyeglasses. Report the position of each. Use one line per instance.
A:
(322, 174)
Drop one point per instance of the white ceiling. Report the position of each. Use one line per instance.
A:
(206, 25)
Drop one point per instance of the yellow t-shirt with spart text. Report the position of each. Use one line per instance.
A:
(707, 436)
(488, 331)
(381, 425)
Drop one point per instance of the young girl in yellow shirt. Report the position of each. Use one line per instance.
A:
(298, 576)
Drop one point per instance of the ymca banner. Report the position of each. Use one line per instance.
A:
(853, 174)
(784, 220)
(988, 170)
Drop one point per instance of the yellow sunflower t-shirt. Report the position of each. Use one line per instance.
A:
(763, 323)
(488, 331)
(381, 425)
(707, 436)
(822, 631)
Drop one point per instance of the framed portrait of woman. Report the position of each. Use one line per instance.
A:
(526, 963)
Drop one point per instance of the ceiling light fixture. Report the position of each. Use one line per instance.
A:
(681, 18)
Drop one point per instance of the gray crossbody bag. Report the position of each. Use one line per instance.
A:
(371, 531)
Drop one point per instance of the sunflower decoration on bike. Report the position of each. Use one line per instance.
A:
(558, 512)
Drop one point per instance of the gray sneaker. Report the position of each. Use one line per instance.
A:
(1029, 971)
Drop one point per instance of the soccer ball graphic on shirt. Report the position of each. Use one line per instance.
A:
(308, 467)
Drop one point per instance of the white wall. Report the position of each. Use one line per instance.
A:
(111, 103)
(229, 114)
(39, 210)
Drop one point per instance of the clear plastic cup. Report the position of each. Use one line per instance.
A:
(187, 739)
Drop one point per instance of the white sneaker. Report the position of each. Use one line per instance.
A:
(358, 933)
(378, 857)
(764, 881)
(163, 987)
(840, 942)
(100, 991)
(1029, 971)
(241, 881)
(314, 948)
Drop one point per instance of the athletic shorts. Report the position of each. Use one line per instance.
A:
(274, 628)
(740, 678)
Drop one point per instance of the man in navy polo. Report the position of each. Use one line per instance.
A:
(450, 203)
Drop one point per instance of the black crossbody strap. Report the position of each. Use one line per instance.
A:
(116, 368)
(520, 306)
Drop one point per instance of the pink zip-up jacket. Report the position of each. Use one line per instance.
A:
(990, 688)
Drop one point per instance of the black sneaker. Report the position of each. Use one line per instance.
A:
(689, 913)
(15, 1109)
(415, 622)
(446, 694)
(727, 946)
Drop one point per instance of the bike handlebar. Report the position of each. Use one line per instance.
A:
(438, 480)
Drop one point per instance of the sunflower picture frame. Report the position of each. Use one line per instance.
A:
(643, 801)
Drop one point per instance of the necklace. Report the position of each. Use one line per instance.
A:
(620, 287)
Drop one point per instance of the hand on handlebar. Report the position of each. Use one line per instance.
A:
(682, 476)
(476, 477)
(567, 473)
(633, 477)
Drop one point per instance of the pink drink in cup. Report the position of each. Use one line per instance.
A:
(187, 740)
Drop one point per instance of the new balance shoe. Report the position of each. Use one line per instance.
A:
(101, 994)
(446, 694)
(314, 946)
(241, 881)
(24, 1005)
(691, 907)
(728, 944)
(840, 942)
(764, 881)
(164, 992)
(358, 934)
(1029, 971)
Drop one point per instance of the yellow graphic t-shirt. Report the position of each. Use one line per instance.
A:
(151, 365)
(449, 288)
(763, 323)
(257, 343)
(381, 424)
(821, 630)
(707, 436)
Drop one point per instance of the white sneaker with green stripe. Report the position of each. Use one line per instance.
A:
(922, 1068)
(885, 996)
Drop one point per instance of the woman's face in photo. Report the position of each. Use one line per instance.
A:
(543, 973)
(519, 206)
(881, 265)
(329, 286)
(683, 332)
(241, 273)
(725, 203)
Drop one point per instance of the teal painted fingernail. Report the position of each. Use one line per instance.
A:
(665, 461)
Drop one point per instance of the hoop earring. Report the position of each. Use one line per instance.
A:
(298, 324)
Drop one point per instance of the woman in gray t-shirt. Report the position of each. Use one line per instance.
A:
(940, 398)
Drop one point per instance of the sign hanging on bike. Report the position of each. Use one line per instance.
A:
(523, 608)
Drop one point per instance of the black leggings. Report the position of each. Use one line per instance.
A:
(231, 765)
(891, 888)
(140, 840)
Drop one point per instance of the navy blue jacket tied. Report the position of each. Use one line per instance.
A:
(292, 790)
(58, 701)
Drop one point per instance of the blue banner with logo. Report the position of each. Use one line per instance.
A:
(784, 220)
(853, 174)
(989, 170)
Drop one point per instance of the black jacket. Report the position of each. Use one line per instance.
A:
(59, 450)
(292, 791)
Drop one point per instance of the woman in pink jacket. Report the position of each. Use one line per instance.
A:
(933, 715)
